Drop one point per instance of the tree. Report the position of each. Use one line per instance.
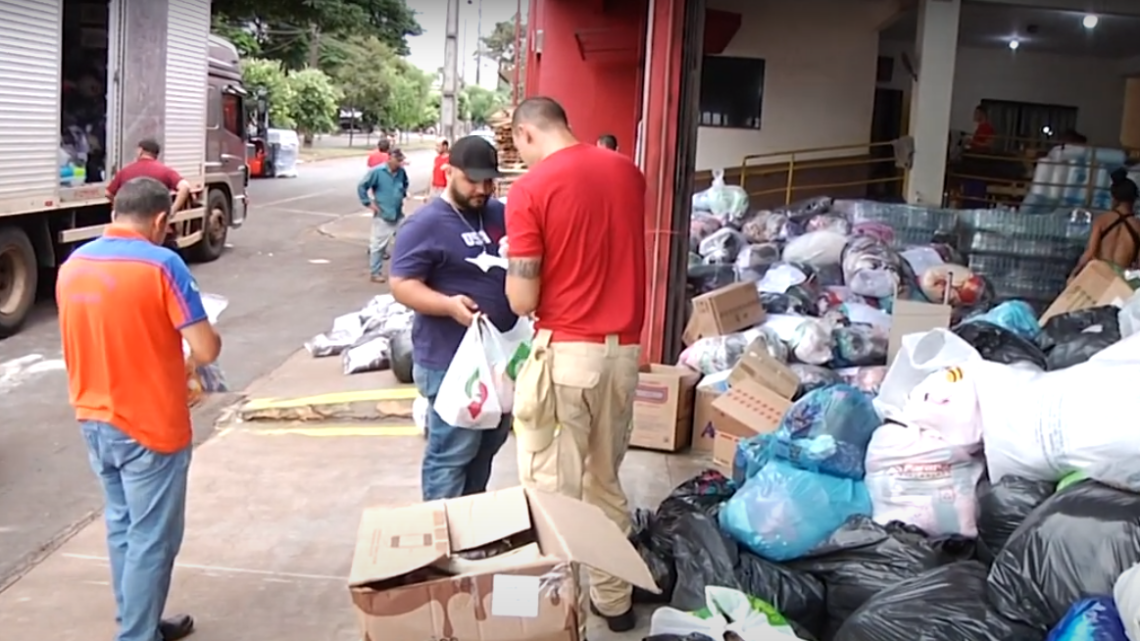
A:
(362, 72)
(483, 103)
(316, 102)
(499, 46)
(267, 76)
(409, 102)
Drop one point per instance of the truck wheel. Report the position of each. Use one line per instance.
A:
(19, 277)
(215, 227)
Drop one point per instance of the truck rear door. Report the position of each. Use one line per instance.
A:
(187, 44)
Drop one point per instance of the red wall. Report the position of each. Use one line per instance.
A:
(590, 63)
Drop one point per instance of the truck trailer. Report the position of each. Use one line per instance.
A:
(82, 82)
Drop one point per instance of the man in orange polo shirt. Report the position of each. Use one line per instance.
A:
(125, 306)
(576, 260)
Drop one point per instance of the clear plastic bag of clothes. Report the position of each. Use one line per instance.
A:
(722, 246)
(816, 248)
(369, 354)
(881, 232)
(783, 511)
(1016, 316)
(872, 268)
(1074, 337)
(1094, 618)
(828, 222)
(769, 226)
(865, 379)
(808, 207)
(812, 342)
(727, 202)
(861, 559)
(1000, 345)
(717, 353)
(754, 260)
(957, 285)
(942, 604)
(828, 431)
(1076, 543)
(785, 303)
(860, 346)
(346, 330)
(700, 227)
(813, 377)
(706, 278)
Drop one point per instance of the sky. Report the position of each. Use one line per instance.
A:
(427, 49)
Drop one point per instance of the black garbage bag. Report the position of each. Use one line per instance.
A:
(799, 596)
(704, 556)
(705, 278)
(400, 349)
(947, 603)
(1000, 345)
(703, 494)
(863, 558)
(1002, 506)
(1075, 544)
(1074, 337)
(950, 547)
(660, 566)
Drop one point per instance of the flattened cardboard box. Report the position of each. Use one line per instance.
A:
(704, 419)
(409, 580)
(1097, 284)
(747, 409)
(759, 365)
(663, 408)
(723, 311)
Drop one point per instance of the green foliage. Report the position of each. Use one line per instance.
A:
(268, 76)
(483, 103)
(242, 38)
(316, 101)
(499, 45)
(360, 70)
(408, 105)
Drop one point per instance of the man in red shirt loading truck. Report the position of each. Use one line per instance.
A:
(576, 260)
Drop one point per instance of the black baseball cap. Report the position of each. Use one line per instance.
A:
(475, 157)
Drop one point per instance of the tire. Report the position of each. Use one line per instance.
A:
(19, 278)
(400, 349)
(215, 228)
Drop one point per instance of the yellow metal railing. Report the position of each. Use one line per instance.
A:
(1019, 168)
(794, 163)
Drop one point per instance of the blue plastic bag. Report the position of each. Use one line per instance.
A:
(1013, 315)
(782, 512)
(1092, 619)
(828, 431)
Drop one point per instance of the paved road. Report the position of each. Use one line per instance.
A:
(285, 282)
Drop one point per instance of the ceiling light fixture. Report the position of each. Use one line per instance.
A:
(1090, 21)
(1014, 44)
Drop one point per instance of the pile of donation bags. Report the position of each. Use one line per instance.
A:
(987, 488)
(376, 337)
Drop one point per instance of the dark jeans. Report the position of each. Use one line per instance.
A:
(457, 460)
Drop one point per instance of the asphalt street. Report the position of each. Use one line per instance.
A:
(285, 282)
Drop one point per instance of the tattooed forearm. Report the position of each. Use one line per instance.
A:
(528, 268)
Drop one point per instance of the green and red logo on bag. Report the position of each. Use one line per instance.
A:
(475, 407)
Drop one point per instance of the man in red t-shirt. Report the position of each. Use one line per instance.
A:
(439, 169)
(380, 156)
(576, 260)
(147, 164)
(984, 132)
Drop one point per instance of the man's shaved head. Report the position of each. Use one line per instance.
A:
(540, 112)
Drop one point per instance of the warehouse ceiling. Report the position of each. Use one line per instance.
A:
(1041, 30)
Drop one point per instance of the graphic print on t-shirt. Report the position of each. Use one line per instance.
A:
(484, 261)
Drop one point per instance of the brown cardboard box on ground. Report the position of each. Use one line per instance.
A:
(747, 409)
(913, 317)
(723, 311)
(704, 429)
(663, 408)
(758, 364)
(408, 580)
(1097, 284)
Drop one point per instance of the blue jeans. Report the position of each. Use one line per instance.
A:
(145, 493)
(457, 460)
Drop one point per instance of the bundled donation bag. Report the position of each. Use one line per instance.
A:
(1093, 619)
(207, 379)
(1126, 594)
(727, 612)
(478, 388)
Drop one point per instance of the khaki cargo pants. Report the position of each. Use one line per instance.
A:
(573, 416)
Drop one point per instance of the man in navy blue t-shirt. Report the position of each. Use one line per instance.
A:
(446, 266)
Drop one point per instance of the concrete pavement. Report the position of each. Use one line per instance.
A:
(285, 282)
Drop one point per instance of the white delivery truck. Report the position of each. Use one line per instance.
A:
(82, 82)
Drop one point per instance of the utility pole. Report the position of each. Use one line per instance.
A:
(449, 100)
(479, 45)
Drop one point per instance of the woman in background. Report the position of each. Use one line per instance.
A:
(1115, 236)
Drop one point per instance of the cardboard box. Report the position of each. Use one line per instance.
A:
(723, 311)
(747, 409)
(409, 582)
(704, 417)
(1097, 284)
(913, 317)
(759, 365)
(663, 408)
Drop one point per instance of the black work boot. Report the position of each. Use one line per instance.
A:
(176, 627)
(623, 622)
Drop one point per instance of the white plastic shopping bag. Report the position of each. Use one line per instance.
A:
(506, 352)
(469, 395)
(207, 379)
(727, 610)
(920, 355)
